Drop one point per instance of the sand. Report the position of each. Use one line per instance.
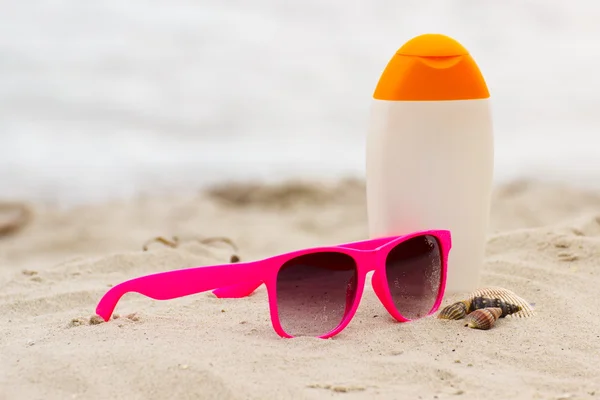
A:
(544, 244)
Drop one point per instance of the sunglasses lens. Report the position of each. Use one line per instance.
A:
(314, 292)
(414, 275)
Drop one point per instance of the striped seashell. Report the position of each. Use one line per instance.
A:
(484, 318)
(457, 310)
(461, 309)
(506, 296)
(485, 302)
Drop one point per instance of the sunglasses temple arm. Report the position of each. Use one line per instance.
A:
(180, 283)
(237, 291)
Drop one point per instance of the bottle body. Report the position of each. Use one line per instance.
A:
(430, 166)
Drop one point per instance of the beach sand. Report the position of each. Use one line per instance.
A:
(544, 244)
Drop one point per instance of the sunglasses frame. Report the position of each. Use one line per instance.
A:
(243, 278)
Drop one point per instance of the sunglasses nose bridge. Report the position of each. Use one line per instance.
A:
(369, 260)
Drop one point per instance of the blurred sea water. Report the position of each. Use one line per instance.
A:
(109, 99)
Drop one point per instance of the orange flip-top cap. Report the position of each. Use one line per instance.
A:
(431, 67)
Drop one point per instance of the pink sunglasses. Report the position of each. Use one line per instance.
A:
(316, 291)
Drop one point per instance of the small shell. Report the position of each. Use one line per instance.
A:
(484, 302)
(457, 310)
(484, 318)
(508, 297)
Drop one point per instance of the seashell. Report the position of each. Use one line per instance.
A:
(508, 297)
(484, 318)
(485, 302)
(461, 309)
(457, 310)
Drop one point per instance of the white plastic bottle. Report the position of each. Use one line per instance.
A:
(430, 152)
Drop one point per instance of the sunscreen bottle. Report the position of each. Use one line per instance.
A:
(430, 152)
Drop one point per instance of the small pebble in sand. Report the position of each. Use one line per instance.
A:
(133, 317)
(96, 320)
(93, 320)
(77, 322)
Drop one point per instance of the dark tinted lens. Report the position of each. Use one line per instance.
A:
(414, 275)
(314, 292)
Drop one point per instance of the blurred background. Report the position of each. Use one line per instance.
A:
(108, 99)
